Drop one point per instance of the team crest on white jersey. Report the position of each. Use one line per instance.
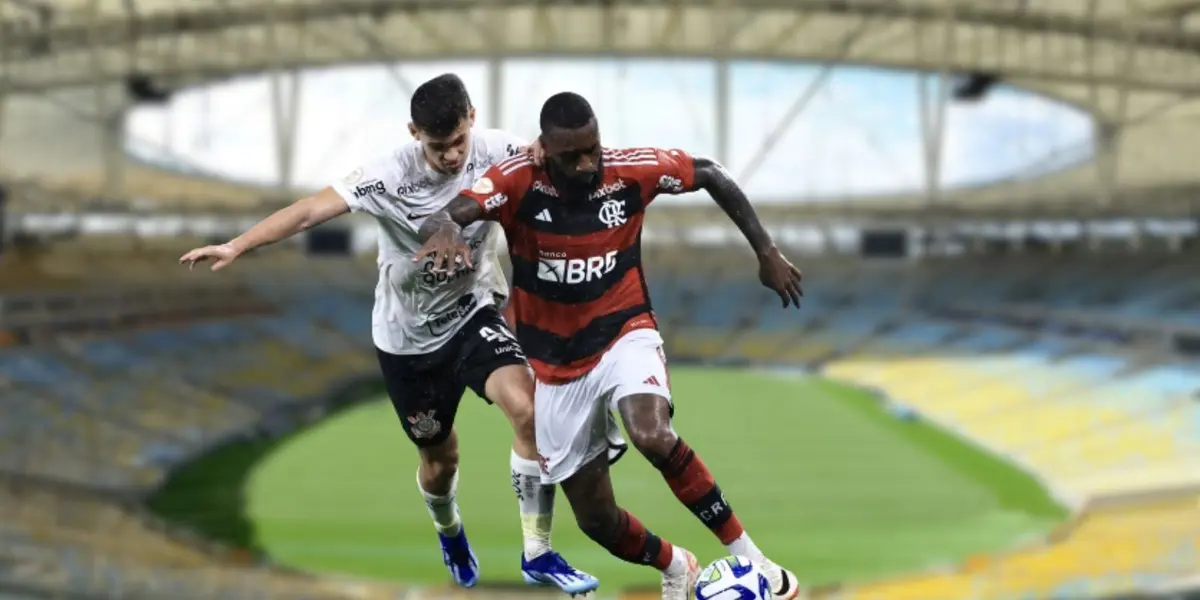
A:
(416, 310)
(353, 177)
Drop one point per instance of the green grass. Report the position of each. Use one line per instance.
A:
(824, 480)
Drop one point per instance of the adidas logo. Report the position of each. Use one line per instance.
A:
(544, 215)
(652, 380)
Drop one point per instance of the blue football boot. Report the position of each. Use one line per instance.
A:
(550, 569)
(459, 558)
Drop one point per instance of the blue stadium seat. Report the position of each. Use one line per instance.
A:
(1096, 366)
(35, 367)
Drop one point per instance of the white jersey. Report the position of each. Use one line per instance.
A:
(417, 311)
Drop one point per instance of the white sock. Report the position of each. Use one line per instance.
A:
(678, 566)
(744, 546)
(536, 502)
(443, 509)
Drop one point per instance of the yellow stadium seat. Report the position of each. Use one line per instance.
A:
(1108, 549)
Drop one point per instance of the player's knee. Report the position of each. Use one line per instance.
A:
(655, 442)
(512, 388)
(521, 416)
(438, 467)
(655, 445)
(648, 423)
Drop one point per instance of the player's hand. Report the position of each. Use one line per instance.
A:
(778, 273)
(221, 256)
(447, 249)
(535, 152)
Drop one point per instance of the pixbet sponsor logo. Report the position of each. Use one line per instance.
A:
(607, 189)
(542, 188)
(411, 187)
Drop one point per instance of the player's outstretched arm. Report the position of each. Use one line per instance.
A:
(441, 234)
(775, 271)
(297, 217)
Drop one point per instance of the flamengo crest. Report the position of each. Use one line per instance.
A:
(612, 213)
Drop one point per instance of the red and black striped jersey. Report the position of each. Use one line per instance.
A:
(577, 275)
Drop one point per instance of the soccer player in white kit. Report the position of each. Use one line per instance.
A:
(437, 334)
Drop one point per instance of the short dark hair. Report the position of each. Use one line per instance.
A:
(566, 110)
(440, 104)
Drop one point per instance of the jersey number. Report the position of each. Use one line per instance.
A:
(496, 336)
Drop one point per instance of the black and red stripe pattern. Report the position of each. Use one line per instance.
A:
(578, 283)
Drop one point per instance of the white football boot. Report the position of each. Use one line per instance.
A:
(681, 587)
(784, 584)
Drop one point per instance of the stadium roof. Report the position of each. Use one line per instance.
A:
(1134, 64)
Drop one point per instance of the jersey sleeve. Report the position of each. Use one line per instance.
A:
(501, 188)
(674, 174)
(502, 144)
(367, 188)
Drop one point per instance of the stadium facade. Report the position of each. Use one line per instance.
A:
(1051, 320)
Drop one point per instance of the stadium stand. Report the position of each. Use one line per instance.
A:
(106, 389)
(110, 382)
(1109, 550)
(1112, 428)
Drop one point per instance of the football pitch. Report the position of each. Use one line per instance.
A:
(826, 482)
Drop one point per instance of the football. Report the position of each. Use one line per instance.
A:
(733, 578)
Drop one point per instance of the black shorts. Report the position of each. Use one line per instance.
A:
(425, 389)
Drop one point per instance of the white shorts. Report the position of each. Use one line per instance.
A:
(575, 422)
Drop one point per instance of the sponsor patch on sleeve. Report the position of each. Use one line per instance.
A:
(354, 177)
(495, 202)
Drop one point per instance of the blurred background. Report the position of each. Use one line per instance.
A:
(991, 392)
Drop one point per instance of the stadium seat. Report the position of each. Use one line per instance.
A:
(118, 409)
(1109, 549)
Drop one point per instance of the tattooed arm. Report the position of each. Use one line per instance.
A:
(460, 212)
(714, 179)
(441, 234)
(774, 269)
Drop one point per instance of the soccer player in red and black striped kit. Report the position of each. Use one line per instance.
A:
(583, 315)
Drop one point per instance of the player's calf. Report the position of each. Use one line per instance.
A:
(648, 421)
(624, 536)
(540, 565)
(600, 518)
(511, 388)
(437, 479)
